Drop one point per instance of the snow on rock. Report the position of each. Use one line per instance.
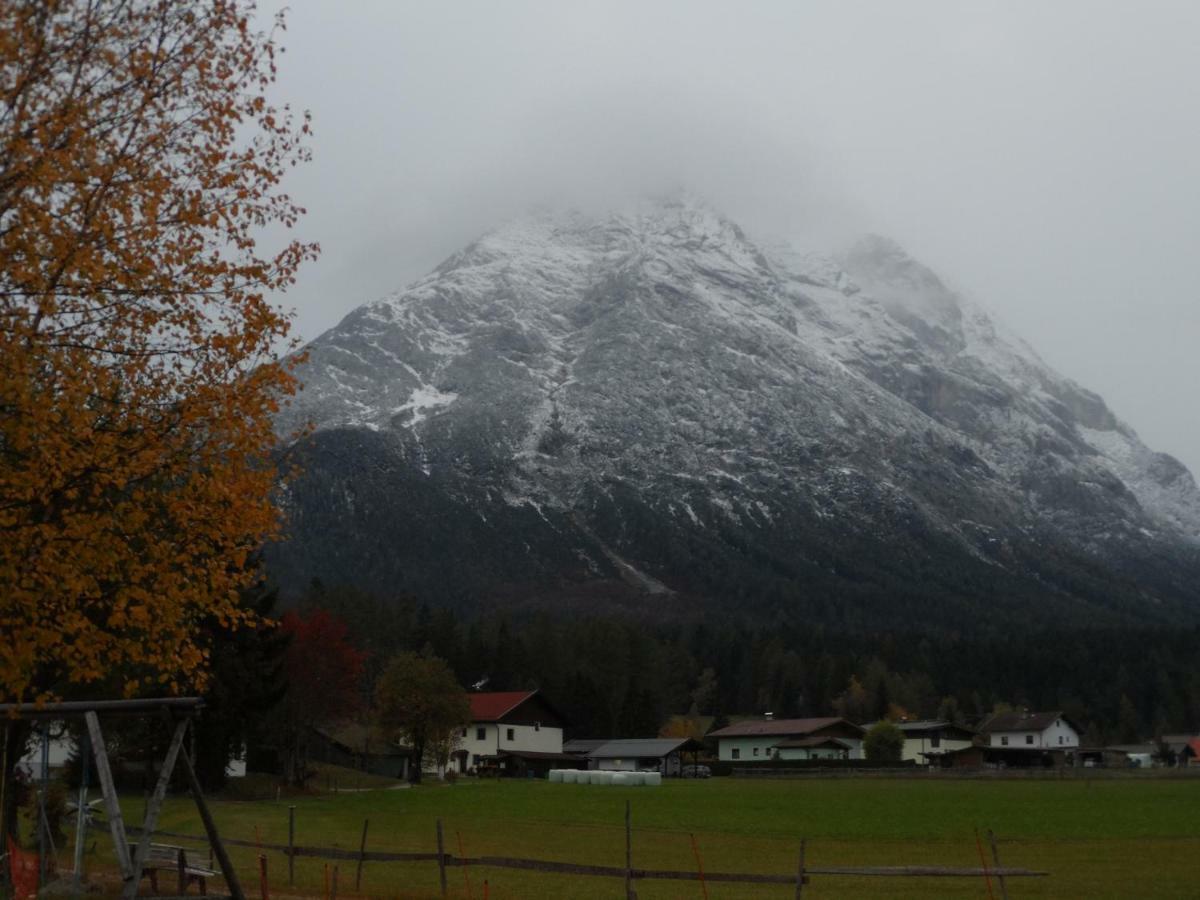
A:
(660, 353)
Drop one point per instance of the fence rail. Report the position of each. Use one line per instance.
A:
(798, 878)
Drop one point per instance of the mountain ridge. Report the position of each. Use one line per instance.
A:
(619, 399)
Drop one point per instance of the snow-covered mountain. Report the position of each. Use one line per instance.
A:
(650, 408)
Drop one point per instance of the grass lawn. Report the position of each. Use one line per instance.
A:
(1115, 838)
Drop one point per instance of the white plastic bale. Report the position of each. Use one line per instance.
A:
(635, 778)
(654, 779)
(620, 778)
(600, 777)
(569, 776)
(556, 776)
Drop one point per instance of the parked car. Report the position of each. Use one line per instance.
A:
(696, 772)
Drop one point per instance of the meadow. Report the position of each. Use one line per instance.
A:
(1119, 838)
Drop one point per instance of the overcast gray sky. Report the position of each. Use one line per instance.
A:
(1044, 157)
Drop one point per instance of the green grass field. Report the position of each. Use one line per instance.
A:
(1119, 838)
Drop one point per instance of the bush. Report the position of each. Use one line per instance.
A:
(884, 742)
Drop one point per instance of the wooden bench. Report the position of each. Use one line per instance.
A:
(177, 859)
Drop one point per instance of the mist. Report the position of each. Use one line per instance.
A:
(1043, 158)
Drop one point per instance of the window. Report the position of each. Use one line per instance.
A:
(481, 733)
(537, 726)
(464, 734)
(735, 753)
(509, 737)
(1004, 741)
(1060, 738)
(935, 741)
(756, 751)
(1029, 738)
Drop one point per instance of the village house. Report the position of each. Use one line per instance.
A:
(926, 739)
(763, 739)
(513, 733)
(1031, 731)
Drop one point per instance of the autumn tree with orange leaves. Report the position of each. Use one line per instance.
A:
(140, 165)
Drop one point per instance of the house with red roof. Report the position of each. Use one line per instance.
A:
(512, 731)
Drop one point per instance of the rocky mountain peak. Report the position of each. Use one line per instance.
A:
(610, 399)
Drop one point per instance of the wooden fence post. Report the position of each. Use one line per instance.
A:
(630, 893)
(362, 849)
(291, 845)
(180, 867)
(333, 891)
(983, 862)
(264, 887)
(996, 859)
(699, 866)
(462, 855)
(800, 872)
(441, 857)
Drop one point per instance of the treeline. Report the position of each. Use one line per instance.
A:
(614, 675)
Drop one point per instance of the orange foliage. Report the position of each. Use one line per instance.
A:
(139, 162)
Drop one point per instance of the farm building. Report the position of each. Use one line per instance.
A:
(509, 725)
(978, 757)
(1030, 731)
(1137, 756)
(524, 763)
(357, 746)
(663, 755)
(757, 739)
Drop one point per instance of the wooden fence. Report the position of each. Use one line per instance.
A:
(631, 874)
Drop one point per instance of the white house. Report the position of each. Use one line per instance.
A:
(518, 726)
(1030, 731)
(759, 739)
(926, 739)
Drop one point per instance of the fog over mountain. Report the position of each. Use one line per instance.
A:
(1044, 159)
(653, 409)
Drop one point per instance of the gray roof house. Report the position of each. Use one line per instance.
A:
(663, 755)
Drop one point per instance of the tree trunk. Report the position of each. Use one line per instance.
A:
(418, 759)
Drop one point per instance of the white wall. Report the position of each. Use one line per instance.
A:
(918, 744)
(495, 737)
(1058, 736)
(764, 743)
(810, 753)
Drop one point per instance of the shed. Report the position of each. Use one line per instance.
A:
(525, 763)
(644, 755)
(367, 748)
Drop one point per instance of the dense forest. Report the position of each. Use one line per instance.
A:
(618, 674)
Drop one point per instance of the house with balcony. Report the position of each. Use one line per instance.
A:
(758, 740)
